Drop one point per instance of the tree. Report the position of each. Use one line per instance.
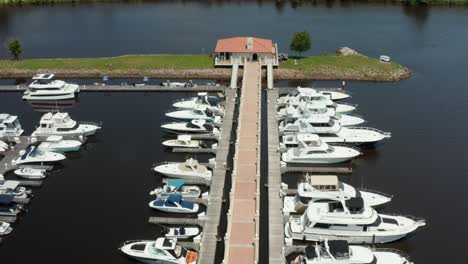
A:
(301, 42)
(15, 49)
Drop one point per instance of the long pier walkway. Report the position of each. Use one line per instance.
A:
(212, 218)
(275, 202)
(243, 217)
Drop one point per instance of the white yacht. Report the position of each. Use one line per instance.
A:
(182, 232)
(316, 99)
(60, 124)
(10, 126)
(199, 112)
(195, 127)
(330, 132)
(313, 150)
(349, 220)
(168, 83)
(326, 187)
(334, 95)
(44, 87)
(12, 188)
(58, 144)
(182, 141)
(31, 173)
(174, 203)
(177, 187)
(5, 228)
(202, 99)
(340, 252)
(34, 155)
(161, 250)
(190, 169)
(318, 114)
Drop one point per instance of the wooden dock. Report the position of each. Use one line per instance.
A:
(317, 169)
(194, 150)
(8, 219)
(209, 239)
(275, 202)
(242, 236)
(127, 88)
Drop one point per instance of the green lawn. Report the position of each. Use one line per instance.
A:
(121, 63)
(334, 63)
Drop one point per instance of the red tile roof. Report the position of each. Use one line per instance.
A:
(239, 44)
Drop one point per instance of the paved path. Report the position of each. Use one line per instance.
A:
(242, 233)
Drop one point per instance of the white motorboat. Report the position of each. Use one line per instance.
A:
(324, 187)
(183, 141)
(177, 187)
(163, 250)
(195, 127)
(60, 124)
(190, 169)
(9, 127)
(58, 144)
(317, 114)
(34, 155)
(199, 112)
(330, 132)
(315, 99)
(340, 252)
(182, 232)
(5, 228)
(31, 173)
(168, 83)
(311, 149)
(174, 203)
(202, 99)
(304, 91)
(44, 87)
(14, 189)
(349, 220)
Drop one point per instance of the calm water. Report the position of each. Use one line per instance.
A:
(99, 199)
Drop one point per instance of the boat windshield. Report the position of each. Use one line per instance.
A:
(156, 251)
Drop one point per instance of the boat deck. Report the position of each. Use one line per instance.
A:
(243, 217)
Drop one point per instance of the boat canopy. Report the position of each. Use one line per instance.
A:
(202, 94)
(176, 183)
(165, 243)
(174, 198)
(6, 198)
(322, 180)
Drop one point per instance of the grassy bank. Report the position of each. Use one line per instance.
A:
(355, 67)
(121, 63)
(329, 67)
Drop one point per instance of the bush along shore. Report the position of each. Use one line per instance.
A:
(324, 67)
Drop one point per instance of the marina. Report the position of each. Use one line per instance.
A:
(415, 168)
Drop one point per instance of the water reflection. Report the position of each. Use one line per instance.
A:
(54, 105)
